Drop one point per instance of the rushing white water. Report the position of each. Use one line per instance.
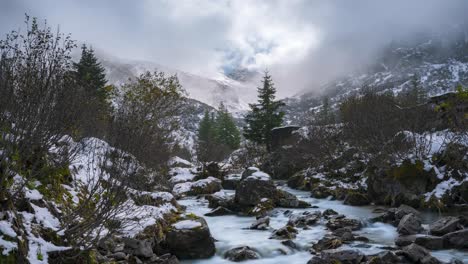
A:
(230, 232)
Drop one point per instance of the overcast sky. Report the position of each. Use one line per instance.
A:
(303, 42)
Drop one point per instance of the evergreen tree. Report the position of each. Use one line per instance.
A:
(417, 92)
(91, 73)
(206, 137)
(227, 133)
(265, 115)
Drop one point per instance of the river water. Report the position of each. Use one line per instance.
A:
(230, 232)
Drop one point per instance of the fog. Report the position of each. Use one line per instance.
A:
(303, 43)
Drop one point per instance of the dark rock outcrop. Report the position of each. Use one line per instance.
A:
(445, 225)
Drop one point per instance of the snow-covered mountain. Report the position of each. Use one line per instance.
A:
(439, 61)
(235, 92)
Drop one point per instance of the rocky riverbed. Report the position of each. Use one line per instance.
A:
(232, 232)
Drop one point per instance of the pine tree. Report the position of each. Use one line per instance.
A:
(265, 115)
(91, 73)
(227, 133)
(325, 116)
(417, 92)
(206, 137)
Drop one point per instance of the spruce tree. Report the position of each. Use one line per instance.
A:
(227, 133)
(206, 137)
(91, 73)
(265, 115)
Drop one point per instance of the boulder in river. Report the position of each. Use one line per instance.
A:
(327, 242)
(457, 239)
(262, 223)
(190, 239)
(445, 225)
(409, 225)
(204, 186)
(335, 223)
(304, 219)
(385, 257)
(253, 188)
(286, 232)
(289, 200)
(241, 254)
(343, 256)
(418, 254)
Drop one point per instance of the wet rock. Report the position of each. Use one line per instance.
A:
(457, 239)
(166, 259)
(344, 233)
(344, 256)
(289, 200)
(290, 244)
(253, 188)
(386, 257)
(336, 223)
(263, 208)
(403, 241)
(327, 242)
(219, 211)
(394, 215)
(286, 232)
(262, 223)
(445, 225)
(241, 254)
(139, 248)
(321, 192)
(305, 219)
(329, 212)
(430, 242)
(409, 225)
(356, 198)
(191, 241)
(418, 254)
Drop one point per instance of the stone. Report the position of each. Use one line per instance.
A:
(385, 257)
(356, 198)
(327, 242)
(286, 232)
(139, 248)
(305, 219)
(409, 225)
(430, 242)
(344, 256)
(290, 244)
(261, 223)
(321, 192)
(403, 241)
(445, 225)
(231, 181)
(219, 211)
(329, 212)
(418, 254)
(192, 243)
(252, 189)
(289, 200)
(335, 223)
(241, 254)
(457, 239)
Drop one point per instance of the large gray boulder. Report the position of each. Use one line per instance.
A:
(139, 248)
(335, 223)
(409, 225)
(445, 225)
(457, 239)
(418, 254)
(190, 239)
(253, 188)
